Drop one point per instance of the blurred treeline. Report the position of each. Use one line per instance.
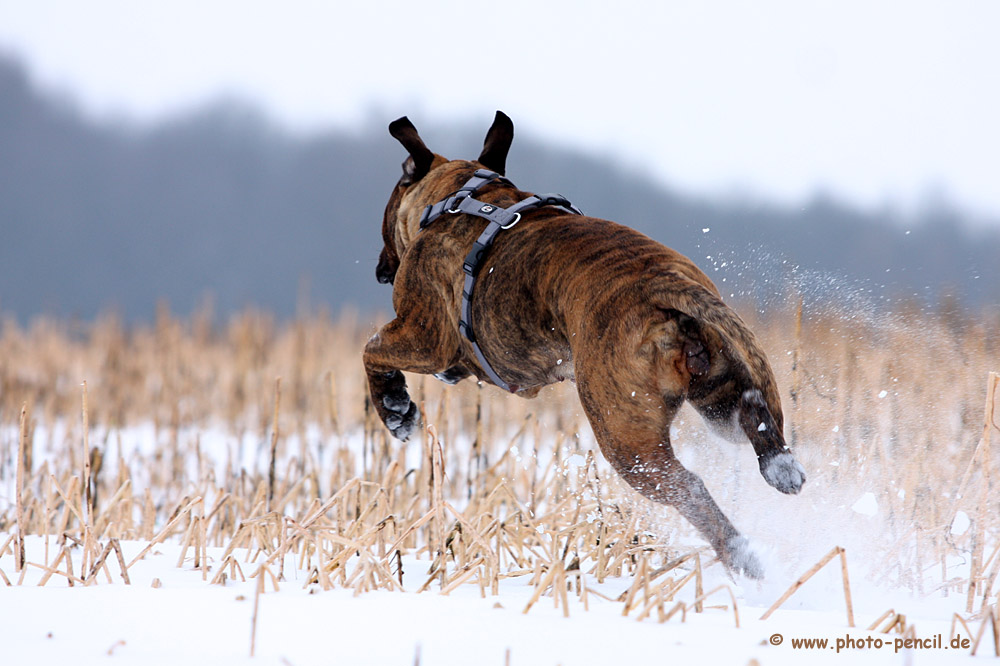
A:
(222, 206)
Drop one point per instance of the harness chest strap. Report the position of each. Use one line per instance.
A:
(499, 219)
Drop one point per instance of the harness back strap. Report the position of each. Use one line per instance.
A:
(499, 219)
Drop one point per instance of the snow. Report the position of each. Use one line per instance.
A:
(866, 505)
(186, 620)
(960, 525)
(189, 620)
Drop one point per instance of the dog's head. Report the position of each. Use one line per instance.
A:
(397, 224)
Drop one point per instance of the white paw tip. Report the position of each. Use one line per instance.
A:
(784, 472)
(743, 559)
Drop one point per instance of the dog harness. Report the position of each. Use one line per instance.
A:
(499, 219)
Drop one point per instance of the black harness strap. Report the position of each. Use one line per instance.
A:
(499, 219)
(481, 178)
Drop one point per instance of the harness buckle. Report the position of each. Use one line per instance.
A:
(517, 218)
(457, 200)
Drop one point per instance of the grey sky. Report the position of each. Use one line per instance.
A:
(882, 103)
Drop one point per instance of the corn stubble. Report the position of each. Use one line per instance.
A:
(501, 487)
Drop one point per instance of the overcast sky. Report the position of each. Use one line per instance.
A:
(880, 102)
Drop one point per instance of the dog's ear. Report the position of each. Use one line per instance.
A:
(497, 144)
(403, 131)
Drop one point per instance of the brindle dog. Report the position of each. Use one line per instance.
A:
(638, 327)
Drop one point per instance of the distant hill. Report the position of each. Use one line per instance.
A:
(223, 202)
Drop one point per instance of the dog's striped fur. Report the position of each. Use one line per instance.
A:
(638, 327)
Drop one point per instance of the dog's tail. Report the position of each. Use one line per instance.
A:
(731, 381)
(722, 331)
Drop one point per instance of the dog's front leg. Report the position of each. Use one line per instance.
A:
(400, 346)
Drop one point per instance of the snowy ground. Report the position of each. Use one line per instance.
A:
(187, 620)
(184, 619)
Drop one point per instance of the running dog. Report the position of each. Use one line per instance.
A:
(558, 296)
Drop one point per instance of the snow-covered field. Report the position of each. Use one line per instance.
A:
(548, 557)
(186, 620)
(169, 614)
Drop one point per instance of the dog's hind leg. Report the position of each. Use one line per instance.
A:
(777, 465)
(735, 408)
(633, 430)
(731, 382)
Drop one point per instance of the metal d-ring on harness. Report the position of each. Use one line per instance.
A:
(499, 219)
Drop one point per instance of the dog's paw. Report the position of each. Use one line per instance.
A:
(397, 403)
(403, 415)
(783, 472)
(741, 559)
(452, 375)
